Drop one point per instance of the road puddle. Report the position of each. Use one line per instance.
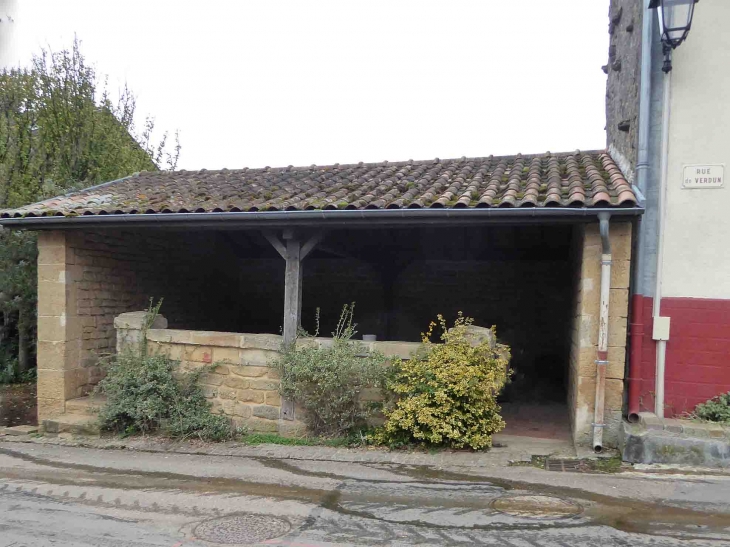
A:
(417, 496)
(537, 507)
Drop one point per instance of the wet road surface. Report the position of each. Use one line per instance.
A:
(51, 495)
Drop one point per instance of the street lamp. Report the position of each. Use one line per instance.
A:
(675, 20)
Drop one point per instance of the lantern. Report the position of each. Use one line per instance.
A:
(675, 19)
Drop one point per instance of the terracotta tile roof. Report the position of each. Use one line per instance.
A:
(577, 179)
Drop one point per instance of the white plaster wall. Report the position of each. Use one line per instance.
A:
(697, 244)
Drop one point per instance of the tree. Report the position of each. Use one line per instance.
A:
(59, 131)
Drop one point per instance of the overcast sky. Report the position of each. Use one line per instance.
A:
(255, 83)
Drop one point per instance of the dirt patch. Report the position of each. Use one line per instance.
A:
(18, 405)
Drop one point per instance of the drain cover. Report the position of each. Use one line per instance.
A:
(239, 529)
(561, 464)
(536, 507)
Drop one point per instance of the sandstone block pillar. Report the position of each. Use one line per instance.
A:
(59, 326)
(584, 335)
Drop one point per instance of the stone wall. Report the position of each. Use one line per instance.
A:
(86, 279)
(243, 386)
(624, 79)
(527, 300)
(584, 338)
(515, 277)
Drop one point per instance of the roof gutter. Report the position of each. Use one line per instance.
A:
(321, 218)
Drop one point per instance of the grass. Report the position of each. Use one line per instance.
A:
(272, 438)
(606, 465)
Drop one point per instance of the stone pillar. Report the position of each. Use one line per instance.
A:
(59, 326)
(582, 388)
(129, 328)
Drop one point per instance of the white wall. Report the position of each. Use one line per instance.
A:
(697, 244)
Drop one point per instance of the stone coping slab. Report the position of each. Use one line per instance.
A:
(684, 427)
(271, 342)
(655, 440)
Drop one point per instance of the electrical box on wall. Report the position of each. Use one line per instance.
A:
(661, 328)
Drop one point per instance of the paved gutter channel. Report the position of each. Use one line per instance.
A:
(496, 457)
(386, 493)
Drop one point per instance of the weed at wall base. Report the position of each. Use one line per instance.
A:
(148, 393)
(326, 382)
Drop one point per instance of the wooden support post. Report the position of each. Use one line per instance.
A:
(388, 278)
(293, 252)
(311, 243)
(292, 290)
(276, 244)
(389, 273)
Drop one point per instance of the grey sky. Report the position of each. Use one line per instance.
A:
(257, 83)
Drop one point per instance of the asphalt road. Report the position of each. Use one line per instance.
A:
(51, 495)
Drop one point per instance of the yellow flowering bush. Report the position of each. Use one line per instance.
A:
(447, 394)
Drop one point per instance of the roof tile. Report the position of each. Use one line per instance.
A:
(576, 179)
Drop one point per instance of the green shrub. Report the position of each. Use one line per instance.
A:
(10, 372)
(146, 393)
(327, 380)
(716, 409)
(447, 392)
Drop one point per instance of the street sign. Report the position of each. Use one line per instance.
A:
(704, 176)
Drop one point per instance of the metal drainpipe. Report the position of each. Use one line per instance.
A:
(642, 172)
(642, 160)
(661, 345)
(602, 354)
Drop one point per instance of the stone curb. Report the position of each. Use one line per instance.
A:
(657, 441)
(309, 453)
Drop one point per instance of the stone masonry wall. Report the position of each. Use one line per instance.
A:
(584, 338)
(244, 387)
(527, 298)
(86, 279)
(624, 79)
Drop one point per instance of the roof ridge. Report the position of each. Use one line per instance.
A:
(288, 168)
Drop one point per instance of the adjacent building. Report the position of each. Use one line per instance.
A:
(668, 131)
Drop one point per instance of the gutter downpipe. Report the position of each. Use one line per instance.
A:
(602, 354)
(642, 173)
(661, 345)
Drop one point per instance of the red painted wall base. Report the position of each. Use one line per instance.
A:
(698, 353)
